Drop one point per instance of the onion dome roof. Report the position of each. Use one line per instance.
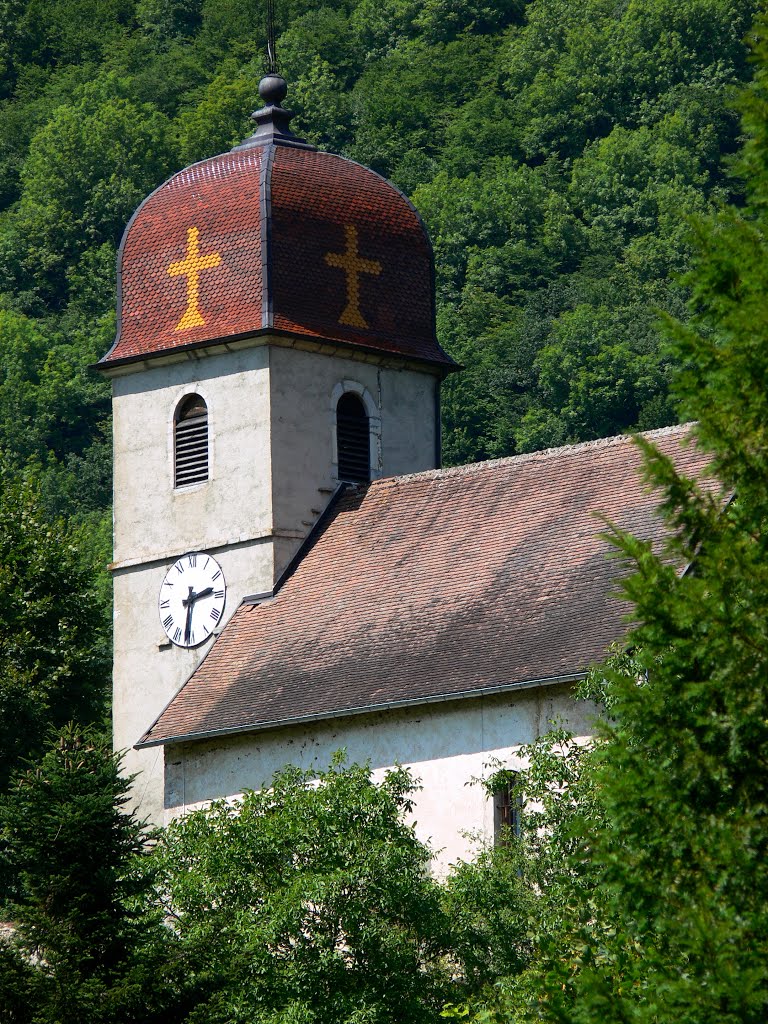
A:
(276, 238)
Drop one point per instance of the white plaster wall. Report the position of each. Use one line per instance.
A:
(408, 421)
(271, 471)
(149, 670)
(229, 515)
(152, 518)
(303, 387)
(445, 746)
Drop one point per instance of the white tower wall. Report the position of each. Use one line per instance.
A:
(272, 470)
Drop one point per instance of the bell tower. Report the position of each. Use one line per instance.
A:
(275, 339)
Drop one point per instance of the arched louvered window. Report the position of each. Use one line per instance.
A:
(190, 442)
(353, 439)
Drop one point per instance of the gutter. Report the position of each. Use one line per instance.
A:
(394, 705)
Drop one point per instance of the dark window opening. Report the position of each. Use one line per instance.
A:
(507, 812)
(191, 441)
(353, 440)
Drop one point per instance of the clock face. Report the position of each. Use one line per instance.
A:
(192, 598)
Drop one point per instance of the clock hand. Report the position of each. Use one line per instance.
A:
(194, 597)
(190, 603)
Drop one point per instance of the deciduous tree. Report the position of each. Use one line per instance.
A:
(309, 901)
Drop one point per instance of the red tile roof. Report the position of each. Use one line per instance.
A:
(439, 584)
(276, 238)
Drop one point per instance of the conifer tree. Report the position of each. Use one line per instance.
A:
(84, 947)
(682, 861)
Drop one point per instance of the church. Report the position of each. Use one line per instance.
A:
(294, 573)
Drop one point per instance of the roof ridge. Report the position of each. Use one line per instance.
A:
(544, 454)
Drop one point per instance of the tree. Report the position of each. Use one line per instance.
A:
(54, 656)
(682, 769)
(221, 118)
(666, 879)
(517, 910)
(84, 948)
(86, 172)
(553, 148)
(652, 888)
(309, 901)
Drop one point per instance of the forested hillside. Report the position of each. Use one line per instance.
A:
(556, 150)
(560, 151)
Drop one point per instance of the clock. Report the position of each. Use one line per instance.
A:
(192, 598)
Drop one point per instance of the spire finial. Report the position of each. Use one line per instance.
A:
(272, 120)
(273, 89)
(272, 65)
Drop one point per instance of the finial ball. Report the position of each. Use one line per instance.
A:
(272, 89)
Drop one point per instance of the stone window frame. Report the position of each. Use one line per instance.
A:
(373, 413)
(182, 394)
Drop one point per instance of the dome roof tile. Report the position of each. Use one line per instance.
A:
(280, 239)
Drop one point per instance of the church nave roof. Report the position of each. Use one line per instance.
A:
(436, 586)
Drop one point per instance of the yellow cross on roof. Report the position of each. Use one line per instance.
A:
(190, 267)
(352, 263)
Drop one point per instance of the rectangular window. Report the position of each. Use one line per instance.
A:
(507, 811)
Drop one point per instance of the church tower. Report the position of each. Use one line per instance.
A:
(275, 340)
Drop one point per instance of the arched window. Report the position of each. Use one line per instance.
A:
(190, 441)
(353, 439)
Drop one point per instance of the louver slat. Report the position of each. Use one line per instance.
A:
(192, 451)
(354, 448)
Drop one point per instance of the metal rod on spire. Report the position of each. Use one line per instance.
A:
(271, 46)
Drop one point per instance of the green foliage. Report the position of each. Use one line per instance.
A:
(556, 151)
(220, 119)
(599, 372)
(490, 905)
(309, 901)
(83, 947)
(515, 907)
(54, 410)
(560, 154)
(652, 885)
(86, 171)
(681, 769)
(54, 657)
(165, 21)
(605, 127)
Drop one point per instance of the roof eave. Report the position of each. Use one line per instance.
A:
(282, 723)
(444, 366)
